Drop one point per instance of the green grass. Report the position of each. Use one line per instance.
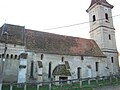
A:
(65, 86)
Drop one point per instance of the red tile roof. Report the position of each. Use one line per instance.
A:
(52, 43)
(15, 34)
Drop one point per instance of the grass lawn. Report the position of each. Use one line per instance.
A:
(65, 86)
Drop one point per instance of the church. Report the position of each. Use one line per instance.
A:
(28, 55)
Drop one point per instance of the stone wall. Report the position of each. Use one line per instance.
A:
(11, 63)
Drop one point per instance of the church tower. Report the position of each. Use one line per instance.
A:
(103, 32)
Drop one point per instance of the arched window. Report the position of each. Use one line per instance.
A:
(2, 55)
(109, 37)
(78, 72)
(97, 66)
(14, 45)
(7, 56)
(94, 18)
(82, 58)
(49, 71)
(106, 16)
(11, 56)
(42, 56)
(112, 59)
(31, 69)
(62, 59)
(15, 56)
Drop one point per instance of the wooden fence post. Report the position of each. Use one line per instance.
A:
(110, 79)
(50, 82)
(61, 84)
(38, 86)
(97, 80)
(1, 86)
(80, 83)
(49, 86)
(25, 86)
(116, 78)
(88, 81)
(11, 86)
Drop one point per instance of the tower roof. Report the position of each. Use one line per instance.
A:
(100, 2)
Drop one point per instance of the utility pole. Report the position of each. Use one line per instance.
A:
(3, 58)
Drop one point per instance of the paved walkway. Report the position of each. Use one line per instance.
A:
(116, 87)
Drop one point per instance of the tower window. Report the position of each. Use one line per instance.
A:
(96, 65)
(109, 37)
(106, 16)
(94, 18)
(112, 59)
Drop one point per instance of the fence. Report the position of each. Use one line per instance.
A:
(74, 84)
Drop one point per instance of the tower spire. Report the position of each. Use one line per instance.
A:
(99, 2)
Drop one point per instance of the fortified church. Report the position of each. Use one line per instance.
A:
(28, 55)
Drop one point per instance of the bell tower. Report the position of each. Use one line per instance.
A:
(103, 32)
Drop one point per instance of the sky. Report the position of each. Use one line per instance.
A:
(47, 15)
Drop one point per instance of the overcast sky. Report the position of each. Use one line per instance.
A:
(45, 14)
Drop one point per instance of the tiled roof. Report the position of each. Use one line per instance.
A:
(53, 43)
(15, 34)
(59, 44)
(100, 2)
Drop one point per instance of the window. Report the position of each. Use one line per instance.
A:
(82, 58)
(94, 18)
(40, 65)
(78, 72)
(49, 73)
(14, 45)
(109, 37)
(97, 66)
(112, 60)
(62, 59)
(0, 56)
(15, 56)
(7, 56)
(42, 56)
(31, 69)
(106, 16)
(11, 56)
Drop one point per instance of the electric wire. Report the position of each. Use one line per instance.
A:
(80, 23)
